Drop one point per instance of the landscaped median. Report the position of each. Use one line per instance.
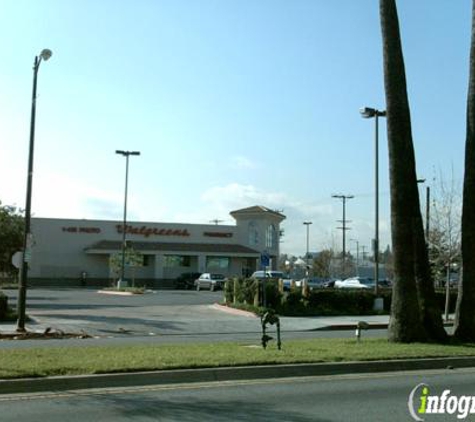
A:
(85, 360)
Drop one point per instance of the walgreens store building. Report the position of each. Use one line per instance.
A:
(77, 252)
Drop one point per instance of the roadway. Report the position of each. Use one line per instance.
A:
(342, 398)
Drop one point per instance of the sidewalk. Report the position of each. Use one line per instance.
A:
(288, 324)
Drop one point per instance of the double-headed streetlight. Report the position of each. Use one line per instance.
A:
(21, 306)
(369, 113)
(126, 154)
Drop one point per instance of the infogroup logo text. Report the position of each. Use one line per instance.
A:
(422, 403)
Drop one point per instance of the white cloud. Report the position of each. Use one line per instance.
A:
(58, 195)
(234, 196)
(242, 162)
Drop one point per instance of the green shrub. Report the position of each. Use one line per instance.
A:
(319, 301)
(244, 291)
(273, 294)
(3, 306)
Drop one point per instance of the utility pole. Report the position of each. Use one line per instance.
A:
(427, 213)
(357, 255)
(363, 254)
(343, 228)
(307, 257)
(216, 221)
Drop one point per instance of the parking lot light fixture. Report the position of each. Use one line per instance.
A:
(21, 304)
(368, 113)
(126, 154)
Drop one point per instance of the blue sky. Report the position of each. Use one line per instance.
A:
(232, 103)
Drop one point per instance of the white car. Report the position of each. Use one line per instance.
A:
(267, 274)
(355, 283)
(211, 281)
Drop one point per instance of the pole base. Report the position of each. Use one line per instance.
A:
(122, 284)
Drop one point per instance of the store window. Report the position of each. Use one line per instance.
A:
(271, 236)
(218, 262)
(253, 234)
(173, 261)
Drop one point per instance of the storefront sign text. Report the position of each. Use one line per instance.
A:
(149, 231)
(89, 230)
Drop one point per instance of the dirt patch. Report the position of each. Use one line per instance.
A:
(47, 334)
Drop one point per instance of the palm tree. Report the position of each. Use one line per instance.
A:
(465, 309)
(414, 313)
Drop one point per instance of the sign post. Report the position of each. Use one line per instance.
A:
(17, 261)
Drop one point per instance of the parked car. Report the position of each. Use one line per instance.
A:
(185, 281)
(385, 283)
(211, 281)
(355, 283)
(330, 283)
(267, 274)
(288, 283)
(317, 282)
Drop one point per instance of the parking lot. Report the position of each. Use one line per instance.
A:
(164, 316)
(153, 313)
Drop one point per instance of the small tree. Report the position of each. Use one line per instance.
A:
(133, 259)
(11, 236)
(445, 229)
(322, 263)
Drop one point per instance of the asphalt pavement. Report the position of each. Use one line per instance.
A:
(158, 313)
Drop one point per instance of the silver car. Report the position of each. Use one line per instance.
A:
(211, 281)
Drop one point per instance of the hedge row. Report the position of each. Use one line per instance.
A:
(248, 293)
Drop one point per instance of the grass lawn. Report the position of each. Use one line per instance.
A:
(39, 362)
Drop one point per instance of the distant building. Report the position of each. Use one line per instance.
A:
(73, 252)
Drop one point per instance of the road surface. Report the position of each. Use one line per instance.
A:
(355, 398)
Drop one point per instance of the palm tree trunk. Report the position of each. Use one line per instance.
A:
(406, 321)
(465, 308)
(431, 313)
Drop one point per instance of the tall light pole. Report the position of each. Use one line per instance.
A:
(369, 113)
(307, 223)
(427, 209)
(126, 154)
(21, 304)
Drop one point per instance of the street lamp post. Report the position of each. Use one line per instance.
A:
(126, 154)
(307, 223)
(427, 210)
(368, 113)
(21, 305)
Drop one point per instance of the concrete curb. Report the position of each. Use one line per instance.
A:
(112, 292)
(233, 311)
(137, 379)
